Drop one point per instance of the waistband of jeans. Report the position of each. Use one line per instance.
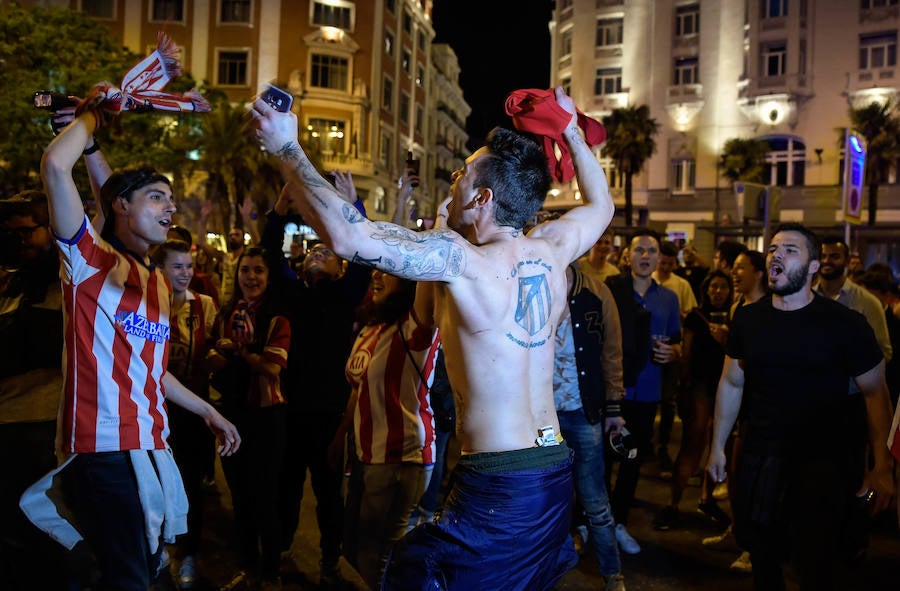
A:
(532, 458)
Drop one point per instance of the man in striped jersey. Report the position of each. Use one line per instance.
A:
(121, 484)
(499, 296)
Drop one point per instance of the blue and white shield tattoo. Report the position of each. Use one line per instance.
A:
(533, 309)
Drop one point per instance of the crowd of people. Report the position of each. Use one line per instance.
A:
(558, 361)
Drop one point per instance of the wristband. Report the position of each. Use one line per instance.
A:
(613, 408)
(92, 149)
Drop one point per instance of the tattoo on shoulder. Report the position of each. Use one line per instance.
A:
(534, 303)
(429, 256)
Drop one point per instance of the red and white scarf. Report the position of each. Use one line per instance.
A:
(141, 87)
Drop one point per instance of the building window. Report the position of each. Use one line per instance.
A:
(329, 71)
(235, 11)
(774, 8)
(404, 108)
(878, 51)
(406, 61)
(786, 161)
(685, 71)
(420, 119)
(233, 68)
(609, 32)
(420, 75)
(389, 43)
(608, 81)
(687, 20)
(167, 10)
(387, 97)
(384, 154)
(878, 3)
(99, 8)
(773, 59)
(683, 174)
(326, 135)
(390, 5)
(332, 13)
(566, 83)
(565, 43)
(422, 41)
(407, 22)
(565, 5)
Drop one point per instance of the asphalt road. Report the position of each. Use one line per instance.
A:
(671, 560)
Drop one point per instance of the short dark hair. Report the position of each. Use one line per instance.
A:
(876, 281)
(668, 248)
(812, 241)
(834, 240)
(124, 183)
(515, 169)
(729, 250)
(645, 232)
(159, 252)
(183, 233)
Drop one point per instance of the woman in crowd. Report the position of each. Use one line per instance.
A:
(390, 370)
(705, 333)
(749, 277)
(192, 318)
(253, 338)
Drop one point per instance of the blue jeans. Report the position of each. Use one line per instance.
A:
(586, 441)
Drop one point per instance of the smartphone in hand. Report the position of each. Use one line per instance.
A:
(413, 164)
(53, 101)
(278, 99)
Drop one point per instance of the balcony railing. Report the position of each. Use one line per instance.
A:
(609, 102)
(684, 93)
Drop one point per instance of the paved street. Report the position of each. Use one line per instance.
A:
(672, 560)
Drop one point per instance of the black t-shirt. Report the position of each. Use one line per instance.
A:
(707, 355)
(797, 370)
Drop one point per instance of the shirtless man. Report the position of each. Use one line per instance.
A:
(499, 296)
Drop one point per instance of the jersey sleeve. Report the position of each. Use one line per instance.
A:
(84, 255)
(861, 349)
(278, 341)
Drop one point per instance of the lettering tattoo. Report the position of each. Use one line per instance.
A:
(535, 302)
(430, 256)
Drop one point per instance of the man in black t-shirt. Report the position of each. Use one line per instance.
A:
(803, 459)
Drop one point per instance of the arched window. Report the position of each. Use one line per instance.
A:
(786, 160)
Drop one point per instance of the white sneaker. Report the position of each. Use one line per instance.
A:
(724, 541)
(742, 564)
(187, 574)
(628, 544)
(614, 582)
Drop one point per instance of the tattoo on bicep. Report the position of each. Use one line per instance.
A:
(430, 256)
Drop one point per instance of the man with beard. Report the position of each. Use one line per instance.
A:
(801, 469)
(321, 305)
(833, 283)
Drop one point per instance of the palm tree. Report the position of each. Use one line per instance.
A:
(629, 143)
(876, 123)
(743, 160)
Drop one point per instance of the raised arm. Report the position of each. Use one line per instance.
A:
(66, 208)
(575, 232)
(421, 256)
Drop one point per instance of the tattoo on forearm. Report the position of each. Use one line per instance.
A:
(289, 151)
(351, 214)
(430, 256)
(311, 179)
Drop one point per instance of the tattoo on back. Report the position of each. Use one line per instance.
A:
(535, 303)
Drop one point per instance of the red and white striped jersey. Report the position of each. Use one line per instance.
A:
(265, 391)
(116, 316)
(393, 421)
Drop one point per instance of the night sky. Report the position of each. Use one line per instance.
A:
(502, 45)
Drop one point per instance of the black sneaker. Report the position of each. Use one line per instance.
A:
(665, 518)
(712, 510)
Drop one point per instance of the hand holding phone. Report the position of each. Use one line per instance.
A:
(413, 165)
(53, 101)
(278, 99)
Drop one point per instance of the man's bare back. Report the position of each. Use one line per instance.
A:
(499, 293)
